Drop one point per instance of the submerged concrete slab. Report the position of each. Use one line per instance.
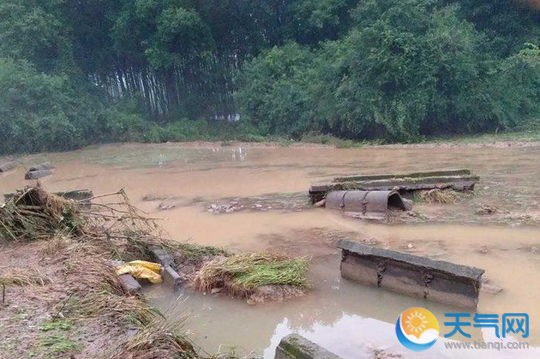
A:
(31, 175)
(41, 167)
(417, 276)
(294, 346)
(436, 173)
(7, 166)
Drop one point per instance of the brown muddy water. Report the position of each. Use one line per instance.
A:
(179, 183)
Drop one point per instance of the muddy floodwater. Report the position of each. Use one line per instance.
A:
(251, 198)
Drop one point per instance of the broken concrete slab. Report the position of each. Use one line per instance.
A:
(436, 173)
(129, 284)
(171, 277)
(294, 346)
(41, 167)
(417, 276)
(161, 256)
(458, 180)
(7, 166)
(32, 175)
(368, 204)
(491, 288)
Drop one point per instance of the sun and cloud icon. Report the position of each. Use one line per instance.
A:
(417, 329)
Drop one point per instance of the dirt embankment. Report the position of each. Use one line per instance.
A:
(61, 295)
(63, 299)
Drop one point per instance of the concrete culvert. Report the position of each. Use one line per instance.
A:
(368, 204)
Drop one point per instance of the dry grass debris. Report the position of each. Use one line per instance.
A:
(438, 196)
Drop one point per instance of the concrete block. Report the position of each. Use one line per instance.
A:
(294, 346)
(41, 167)
(161, 256)
(6, 166)
(37, 174)
(171, 277)
(416, 276)
(130, 284)
(361, 270)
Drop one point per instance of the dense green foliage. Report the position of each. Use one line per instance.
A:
(405, 69)
(75, 73)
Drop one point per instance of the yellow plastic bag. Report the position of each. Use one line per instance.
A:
(141, 270)
(154, 267)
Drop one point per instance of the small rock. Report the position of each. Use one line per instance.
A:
(258, 205)
(483, 250)
(491, 288)
(485, 209)
(216, 290)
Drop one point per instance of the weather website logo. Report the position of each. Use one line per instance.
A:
(417, 329)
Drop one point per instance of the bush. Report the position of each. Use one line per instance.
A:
(407, 69)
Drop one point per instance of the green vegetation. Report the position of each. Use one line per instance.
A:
(77, 73)
(54, 338)
(197, 251)
(242, 274)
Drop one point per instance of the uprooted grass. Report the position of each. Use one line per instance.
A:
(241, 275)
(438, 196)
(23, 277)
(157, 340)
(34, 214)
(196, 251)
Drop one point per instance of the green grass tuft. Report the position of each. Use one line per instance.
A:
(243, 274)
(196, 251)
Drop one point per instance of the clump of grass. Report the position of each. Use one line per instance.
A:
(63, 324)
(23, 277)
(157, 340)
(437, 196)
(34, 214)
(240, 275)
(196, 251)
(54, 339)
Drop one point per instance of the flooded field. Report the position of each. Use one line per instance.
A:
(255, 198)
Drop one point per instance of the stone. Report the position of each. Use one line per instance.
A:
(130, 284)
(31, 175)
(41, 167)
(161, 256)
(6, 166)
(294, 346)
(171, 277)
